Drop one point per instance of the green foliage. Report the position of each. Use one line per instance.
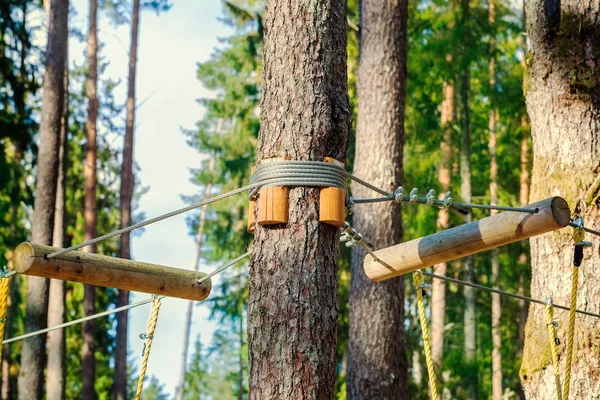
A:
(154, 390)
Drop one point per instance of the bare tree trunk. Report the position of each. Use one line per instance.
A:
(31, 377)
(241, 357)
(377, 362)
(562, 89)
(496, 305)
(292, 306)
(197, 259)
(89, 299)
(56, 368)
(126, 194)
(438, 286)
(470, 325)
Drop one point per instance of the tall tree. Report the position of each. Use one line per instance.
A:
(562, 88)
(292, 310)
(126, 194)
(190, 305)
(56, 370)
(31, 378)
(89, 209)
(377, 363)
(438, 286)
(470, 314)
(492, 128)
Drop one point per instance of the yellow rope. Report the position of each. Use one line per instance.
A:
(3, 308)
(150, 328)
(578, 237)
(418, 280)
(553, 346)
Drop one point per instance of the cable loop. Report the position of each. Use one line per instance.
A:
(414, 196)
(399, 195)
(447, 201)
(430, 197)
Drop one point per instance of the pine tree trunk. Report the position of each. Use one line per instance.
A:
(470, 325)
(562, 88)
(126, 194)
(377, 362)
(292, 310)
(496, 305)
(190, 306)
(89, 211)
(56, 368)
(33, 355)
(438, 286)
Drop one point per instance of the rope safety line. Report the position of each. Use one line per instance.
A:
(4, 284)
(554, 343)
(148, 336)
(420, 286)
(578, 238)
(118, 309)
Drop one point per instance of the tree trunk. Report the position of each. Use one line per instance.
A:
(377, 362)
(496, 305)
(562, 87)
(190, 307)
(89, 211)
(126, 194)
(56, 368)
(438, 286)
(470, 325)
(31, 377)
(292, 310)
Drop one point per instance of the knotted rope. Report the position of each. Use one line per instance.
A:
(148, 336)
(420, 286)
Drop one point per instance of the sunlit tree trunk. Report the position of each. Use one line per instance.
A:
(89, 209)
(292, 306)
(126, 194)
(56, 368)
(33, 355)
(377, 362)
(438, 286)
(562, 88)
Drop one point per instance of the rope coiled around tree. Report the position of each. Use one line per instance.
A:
(419, 282)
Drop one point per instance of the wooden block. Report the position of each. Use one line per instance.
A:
(95, 269)
(251, 227)
(461, 241)
(332, 202)
(273, 202)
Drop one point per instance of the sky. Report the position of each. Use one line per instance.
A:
(170, 46)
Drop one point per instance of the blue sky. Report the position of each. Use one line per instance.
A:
(170, 46)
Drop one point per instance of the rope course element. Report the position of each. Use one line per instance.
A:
(554, 343)
(4, 283)
(578, 238)
(588, 230)
(352, 238)
(420, 286)
(148, 336)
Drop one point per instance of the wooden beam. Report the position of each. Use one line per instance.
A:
(467, 239)
(95, 269)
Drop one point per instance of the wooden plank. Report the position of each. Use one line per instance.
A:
(273, 202)
(99, 270)
(467, 239)
(332, 202)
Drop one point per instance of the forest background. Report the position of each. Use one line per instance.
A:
(210, 51)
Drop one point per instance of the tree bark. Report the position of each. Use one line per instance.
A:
(31, 377)
(438, 286)
(377, 362)
(126, 194)
(562, 87)
(293, 271)
(89, 211)
(56, 368)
